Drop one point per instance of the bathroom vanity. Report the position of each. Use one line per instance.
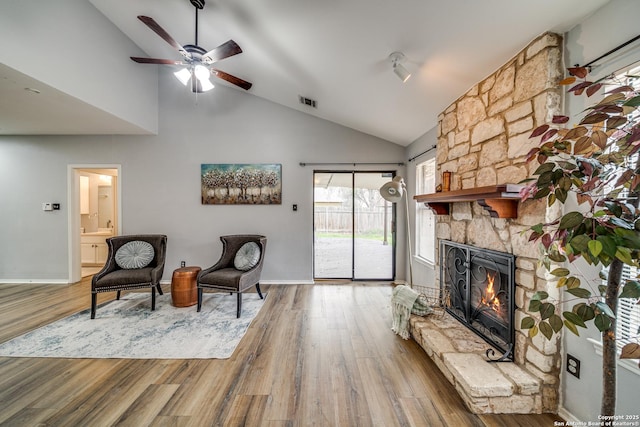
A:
(93, 247)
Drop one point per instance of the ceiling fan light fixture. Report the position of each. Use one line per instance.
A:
(205, 85)
(201, 72)
(183, 75)
(397, 58)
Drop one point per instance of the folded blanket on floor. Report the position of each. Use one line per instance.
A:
(402, 300)
(405, 301)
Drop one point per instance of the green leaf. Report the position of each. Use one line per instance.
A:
(538, 228)
(540, 295)
(595, 247)
(570, 220)
(560, 272)
(602, 322)
(557, 257)
(543, 192)
(585, 311)
(574, 318)
(534, 305)
(561, 194)
(580, 242)
(631, 289)
(546, 330)
(547, 310)
(565, 183)
(605, 309)
(633, 102)
(545, 179)
(556, 322)
(527, 323)
(545, 167)
(580, 292)
(614, 208)
(573, 282)
(570, 326)
(609, 246)
(624, 255)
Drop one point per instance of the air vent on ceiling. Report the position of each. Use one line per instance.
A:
(308, 101)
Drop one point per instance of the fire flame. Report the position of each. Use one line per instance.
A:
(490, 298)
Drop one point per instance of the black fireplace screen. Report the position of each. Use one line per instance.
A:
(481, 285)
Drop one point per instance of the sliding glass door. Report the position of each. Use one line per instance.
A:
(354, 237)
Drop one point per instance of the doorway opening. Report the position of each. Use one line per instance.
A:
(94, 216)
(353, 226)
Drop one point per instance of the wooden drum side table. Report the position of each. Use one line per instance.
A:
(184, 290)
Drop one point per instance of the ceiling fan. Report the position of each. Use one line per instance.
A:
(196, 60)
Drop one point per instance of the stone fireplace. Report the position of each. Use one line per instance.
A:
(483, 140)
(481, 291)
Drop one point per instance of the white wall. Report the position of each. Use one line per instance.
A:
(49, 41)
(161, 182)
(611, 26)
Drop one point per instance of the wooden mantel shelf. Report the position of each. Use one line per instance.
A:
(500, 200)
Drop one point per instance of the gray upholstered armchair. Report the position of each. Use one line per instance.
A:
(225, 275)
(113, 277)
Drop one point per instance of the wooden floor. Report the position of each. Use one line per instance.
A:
(320, 355)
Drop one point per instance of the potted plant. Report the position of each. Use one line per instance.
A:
(594, 161)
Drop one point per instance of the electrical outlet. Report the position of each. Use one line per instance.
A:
(183, 264)
(573, 366)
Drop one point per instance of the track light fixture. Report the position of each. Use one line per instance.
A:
(397, 58)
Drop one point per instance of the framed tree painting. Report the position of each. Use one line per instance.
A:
(241, 184)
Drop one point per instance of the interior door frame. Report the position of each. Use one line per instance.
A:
(73, 220)
(353, 225)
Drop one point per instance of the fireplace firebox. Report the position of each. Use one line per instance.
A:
(481, 286)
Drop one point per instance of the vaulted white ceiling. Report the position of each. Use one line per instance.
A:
(336, 52)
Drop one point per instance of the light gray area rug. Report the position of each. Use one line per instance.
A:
(128, 329)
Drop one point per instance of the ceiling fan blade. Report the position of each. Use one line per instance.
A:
(156, 61)
(225, 50)
(232, 79)
(149, 22)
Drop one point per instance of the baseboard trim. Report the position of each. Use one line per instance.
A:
(287, 282)
(34, 281)
(567, 416)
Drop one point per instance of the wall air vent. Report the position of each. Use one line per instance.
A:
(308, 101)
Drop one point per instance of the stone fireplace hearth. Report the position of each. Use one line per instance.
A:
(483, 140)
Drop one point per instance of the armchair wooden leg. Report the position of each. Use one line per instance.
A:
(239, 304)
(117, 294)
(258, 289)
(153, 298)
(94, 298)
(199, 299)
(159, 289)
